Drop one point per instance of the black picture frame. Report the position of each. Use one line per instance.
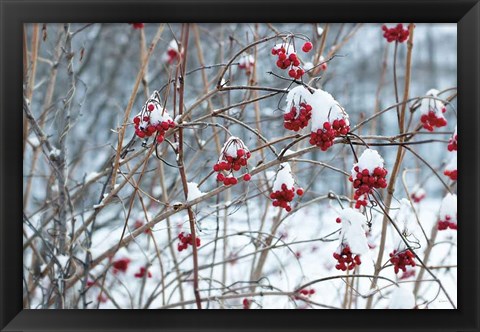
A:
(16, 12)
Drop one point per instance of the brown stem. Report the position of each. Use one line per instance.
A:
(396, 168)
(140, 75)
(191, 216)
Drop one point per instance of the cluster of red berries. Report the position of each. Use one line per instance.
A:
(297, 118)
(452, 143)
(246, 303)
(346, 260)
(186, 240)
(246, 63)
(145, 127)
(290, 59)
(401, 260)
(138, 25)
(397, 34)
(172, 55)
(431, 120)
(323, 138)
(365, 182)
(304, 293)
(283, 197)
(120, 265)
(234, 156)
(452, 174)
(418, 197)
(447, 223)
(141, 273)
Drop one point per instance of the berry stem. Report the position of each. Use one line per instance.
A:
(396, 166)
(191, 216)
(140, 75)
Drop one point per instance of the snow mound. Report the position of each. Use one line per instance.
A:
(284, 176)
(434, 105)
(449, 208)
(370, 159)
(452, 163)
(324, 107)
(193, 191)
(352, 232)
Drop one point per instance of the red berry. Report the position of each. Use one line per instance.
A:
(247, 177)
(307, 47)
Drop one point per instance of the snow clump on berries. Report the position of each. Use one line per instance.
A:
(453, 142)
(284, 176)
(451, 169)
(367, 174)
(432, 111)
(153, 118)
(418, 194)
(448, 212)
(353, 233)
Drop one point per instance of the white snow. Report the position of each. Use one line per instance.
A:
(89, 177)
(307, 66)
(319, 30)
(173, 45)
(418, 191)
(246, 60)
(429, 104)
(370, 159)
(289, 152)
(289, 49)
(156, 191)
(158, 115)
(54, 153)
(193, 191)
(34, 141)
(352, 232)
(402, 298)
(177, 119)
(449, 208)
(295, 96)
(231, 146)
(452, 163)
(324, 107)
(284, 175)
(270, 175)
